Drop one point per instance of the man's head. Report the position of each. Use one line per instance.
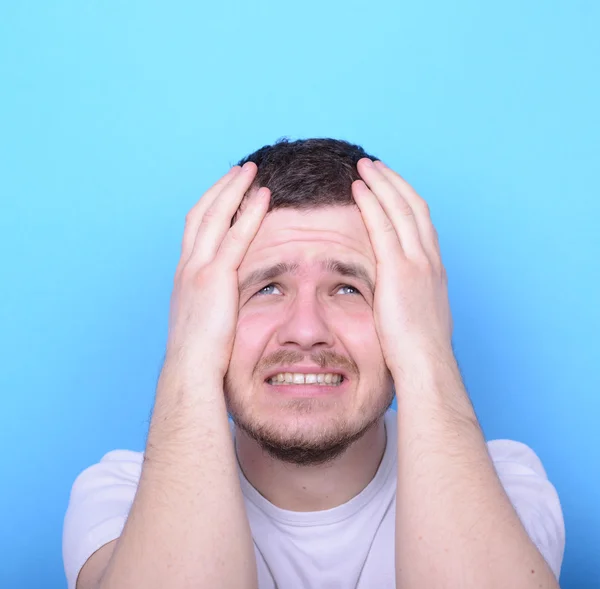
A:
(306, 307)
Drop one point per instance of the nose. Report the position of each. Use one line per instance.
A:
(304, 326)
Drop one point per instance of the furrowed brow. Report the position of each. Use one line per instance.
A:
(348, 269)
(266, 274)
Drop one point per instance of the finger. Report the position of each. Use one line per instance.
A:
(397, 209)
(235, 244)
(216, 220)
(429, 236)
(382, 233)
(195, 214)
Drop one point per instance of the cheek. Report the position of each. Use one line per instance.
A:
(253, 332)
(360, 338)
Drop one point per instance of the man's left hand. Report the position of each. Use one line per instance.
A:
(411, 307)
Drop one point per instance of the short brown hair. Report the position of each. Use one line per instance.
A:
(307, 173)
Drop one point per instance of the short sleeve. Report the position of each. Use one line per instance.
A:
(533, 496)
(100, 501)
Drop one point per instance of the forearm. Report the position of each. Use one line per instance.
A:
(455, 525)
(187, 527)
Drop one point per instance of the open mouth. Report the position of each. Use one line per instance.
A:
(300, 378)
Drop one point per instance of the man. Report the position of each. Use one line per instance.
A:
(310, 290)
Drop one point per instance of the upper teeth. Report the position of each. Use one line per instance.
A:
(303, 378)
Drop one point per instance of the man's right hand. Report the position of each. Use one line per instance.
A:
(187, 525)
(204, 302)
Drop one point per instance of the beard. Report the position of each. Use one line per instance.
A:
(307, 444)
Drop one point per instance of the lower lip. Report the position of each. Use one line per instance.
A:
(307, 390)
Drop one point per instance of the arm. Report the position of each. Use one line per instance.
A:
(455, 525)
(187, 527)
(451, 507)
(187, 519)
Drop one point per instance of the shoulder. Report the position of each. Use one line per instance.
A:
(533, 496)
(515, 457)
(115, 466)
(99, 504)
(116, 475)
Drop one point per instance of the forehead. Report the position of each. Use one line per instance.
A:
(306, 237)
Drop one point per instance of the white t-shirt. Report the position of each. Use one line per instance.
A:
(348, 547)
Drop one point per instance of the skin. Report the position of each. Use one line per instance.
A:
(187, 527)
(455, 526)
(305, 312)
(450, 502)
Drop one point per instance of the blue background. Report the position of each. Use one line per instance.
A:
(116, 116)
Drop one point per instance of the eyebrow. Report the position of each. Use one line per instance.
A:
(329, 265)
(351, 270)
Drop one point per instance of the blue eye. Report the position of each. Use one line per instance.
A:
(268, 290)
(351, 288)
(265, 290)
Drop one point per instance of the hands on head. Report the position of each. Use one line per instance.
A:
(411, 309)
(205, 292)
(189, 494)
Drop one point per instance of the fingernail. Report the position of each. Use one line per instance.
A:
(368, 163)
(247, 166)
(380, 164)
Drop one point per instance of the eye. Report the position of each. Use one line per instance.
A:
(266, 290)
(347, 286)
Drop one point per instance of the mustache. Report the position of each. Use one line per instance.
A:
(322, 358)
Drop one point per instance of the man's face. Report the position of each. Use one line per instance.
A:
(310, 315)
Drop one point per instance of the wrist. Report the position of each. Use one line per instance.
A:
(183, 421)
(429, 381)
(427, 363)
(193, 376)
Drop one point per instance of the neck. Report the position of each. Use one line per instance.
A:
(312, 488)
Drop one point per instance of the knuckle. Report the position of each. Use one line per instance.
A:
(436, 270)
(419, 266)
(195, 214)
(185, 275)
(234, 237)
(423, 264)
(388, 226)
(424, 206)
(235, 241)
(177, 275)
(405, 209)
(190, 218)
(191, 276)
(209, 215)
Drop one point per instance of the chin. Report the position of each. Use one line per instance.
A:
(301, 439)
(305, 431)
